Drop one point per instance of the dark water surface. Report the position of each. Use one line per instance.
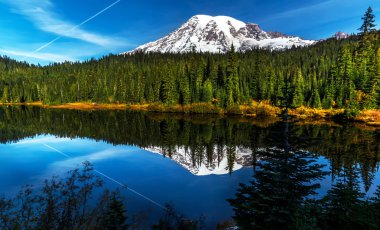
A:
(193, 162)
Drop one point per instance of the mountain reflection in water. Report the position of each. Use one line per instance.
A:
(206, 146)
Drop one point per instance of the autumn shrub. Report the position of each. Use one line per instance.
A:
(266, 110)
(234, 110)
(203, 107)
(156, 107)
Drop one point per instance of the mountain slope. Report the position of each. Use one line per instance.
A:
(217, 34)
(243, 158)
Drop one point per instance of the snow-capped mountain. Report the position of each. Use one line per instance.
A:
(341, 35)
(182, 156)
(216, 34)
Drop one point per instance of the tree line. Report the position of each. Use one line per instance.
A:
(330, 74)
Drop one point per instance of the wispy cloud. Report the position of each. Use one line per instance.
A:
(50, 57)
(303, 10)
(62, 166)
(43, 16)
(42, 139)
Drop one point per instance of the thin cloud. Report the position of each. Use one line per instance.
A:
(41, 13)
(303, 10)
(50, 57)
(41, 139)
(69, 163)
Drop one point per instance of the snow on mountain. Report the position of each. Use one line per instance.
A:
(203, 168)
(217, 34)
(219, 164)
(341, 35)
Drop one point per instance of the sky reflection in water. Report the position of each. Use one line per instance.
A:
(30, 161)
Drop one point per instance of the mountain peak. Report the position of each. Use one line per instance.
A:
(341, 35)
(220, 20)
(217, 33)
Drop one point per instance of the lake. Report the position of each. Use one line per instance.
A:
(194, 162)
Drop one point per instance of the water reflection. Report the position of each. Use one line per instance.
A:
(197, 142)
(205, 145)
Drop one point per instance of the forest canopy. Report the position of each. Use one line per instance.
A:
(334, 73)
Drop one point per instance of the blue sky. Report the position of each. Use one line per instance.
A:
(27, 26)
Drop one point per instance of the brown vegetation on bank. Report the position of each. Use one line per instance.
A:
(263, 109)
(369, 117)
(307, 113)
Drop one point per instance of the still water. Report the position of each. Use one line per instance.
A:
(192, 162)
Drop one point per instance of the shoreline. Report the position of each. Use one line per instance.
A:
(256, 110)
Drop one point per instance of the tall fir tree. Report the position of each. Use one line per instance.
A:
(298, 94)
(368, 25)
(233, 92)
(315, 99)
(115, 217)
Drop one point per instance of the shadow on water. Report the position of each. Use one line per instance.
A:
(286, 159)
(280, 195)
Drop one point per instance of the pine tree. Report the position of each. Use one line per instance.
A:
(344, 77)
(368, 25)
(274, 200)
(185, 94)
(374, 94)
(329, 95)
(166, 90)
(115, 217)
(233, 92)
(342, 202)
(220, 77)
(207, 91)
(375, 207)
(365, 56)
(315, 100)
(5, 97)
(298, 94)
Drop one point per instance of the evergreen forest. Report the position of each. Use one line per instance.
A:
(332, 73)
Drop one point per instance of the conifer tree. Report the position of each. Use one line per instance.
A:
(344, 77)
(298, 94)
(233, 92)
(368, 25)
(376, 207)
(374, 94)
(115, 217)
(365, 56)
(166, 91)
(343, 201)
(315, 100)
(329, 95)
(5, 97)
(274, 200)
(207, 91)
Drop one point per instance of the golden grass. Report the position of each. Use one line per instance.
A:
(87, 106)
(311, 113)
(36, 103)
(201, 107)
(369, 117)
(261, 109)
